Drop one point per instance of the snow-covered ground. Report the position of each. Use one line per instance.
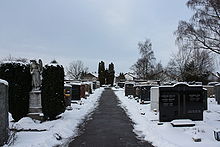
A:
(146, 125)
(54, 132)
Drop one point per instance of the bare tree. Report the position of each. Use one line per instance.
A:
(191, 65)
(18, 59)
(203, 29)
(175, 68)
(76, 69)
(145, 64)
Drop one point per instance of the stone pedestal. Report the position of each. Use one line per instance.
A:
(4, 129)
(35, 107)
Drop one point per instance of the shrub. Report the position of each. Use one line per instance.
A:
(19, 78)
(52, 94)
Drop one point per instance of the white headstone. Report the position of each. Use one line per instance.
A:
(154, 96)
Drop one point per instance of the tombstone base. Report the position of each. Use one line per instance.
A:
(35, 108)
(37, 116)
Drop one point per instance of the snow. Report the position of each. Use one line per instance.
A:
(17, 62)
(181, 122)
(148, 127)
(67, 85)
(56, 132)
(4, 82)
(53, 64)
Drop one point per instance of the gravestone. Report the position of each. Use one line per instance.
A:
(181, 101)
(137, 91)
(75, 91)
(154, 98)
(67, 94)
(94, 85)
(121, 84)
(4, 128)
(145, 92)
(129, 89)
(217, 93)
(82, 91)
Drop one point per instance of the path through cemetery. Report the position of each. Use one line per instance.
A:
(109, 126)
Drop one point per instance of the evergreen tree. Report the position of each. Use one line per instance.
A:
(111, 74)
(121, 77)
(101, 73)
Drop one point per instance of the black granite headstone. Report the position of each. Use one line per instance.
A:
(121, 84)
(75, 91)
(145, 92)
(181, 101)
(217, 93)
(129, 89)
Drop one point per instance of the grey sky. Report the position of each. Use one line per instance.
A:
(89, 30)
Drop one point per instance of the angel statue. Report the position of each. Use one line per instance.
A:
(36, 71)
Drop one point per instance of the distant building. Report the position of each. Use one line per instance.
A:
(89, 77)
(130, 77)
(214, 77)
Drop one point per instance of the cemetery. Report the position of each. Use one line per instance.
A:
(110, 73)
(154, 107)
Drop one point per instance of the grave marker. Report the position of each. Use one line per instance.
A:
(4, 128)
(181, 101)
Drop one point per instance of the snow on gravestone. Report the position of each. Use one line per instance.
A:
(4, 131)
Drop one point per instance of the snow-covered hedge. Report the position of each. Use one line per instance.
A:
(19, 79)
(53, 91)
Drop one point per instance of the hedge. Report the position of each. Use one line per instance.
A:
(52, 92)
(19, 78)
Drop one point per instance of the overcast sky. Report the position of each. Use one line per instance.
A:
(89, 30)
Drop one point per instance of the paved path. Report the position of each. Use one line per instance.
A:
(109, 127)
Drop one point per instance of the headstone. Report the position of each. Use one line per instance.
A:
(137, 91)
(217, 93)
(121, 84)
(97, 84)
(154, 98)
(181, 101)
(129, 89)
(94, 85)
(145, 92)
(75, 91)
(82, 91)
(205, 100)
(67, 94)
(4, 128)
(210, 90)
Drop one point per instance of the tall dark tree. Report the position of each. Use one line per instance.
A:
(111, 74)
(202, 31)
(101, 73)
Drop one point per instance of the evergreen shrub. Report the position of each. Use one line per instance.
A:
(52, 92)
(19, 78)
